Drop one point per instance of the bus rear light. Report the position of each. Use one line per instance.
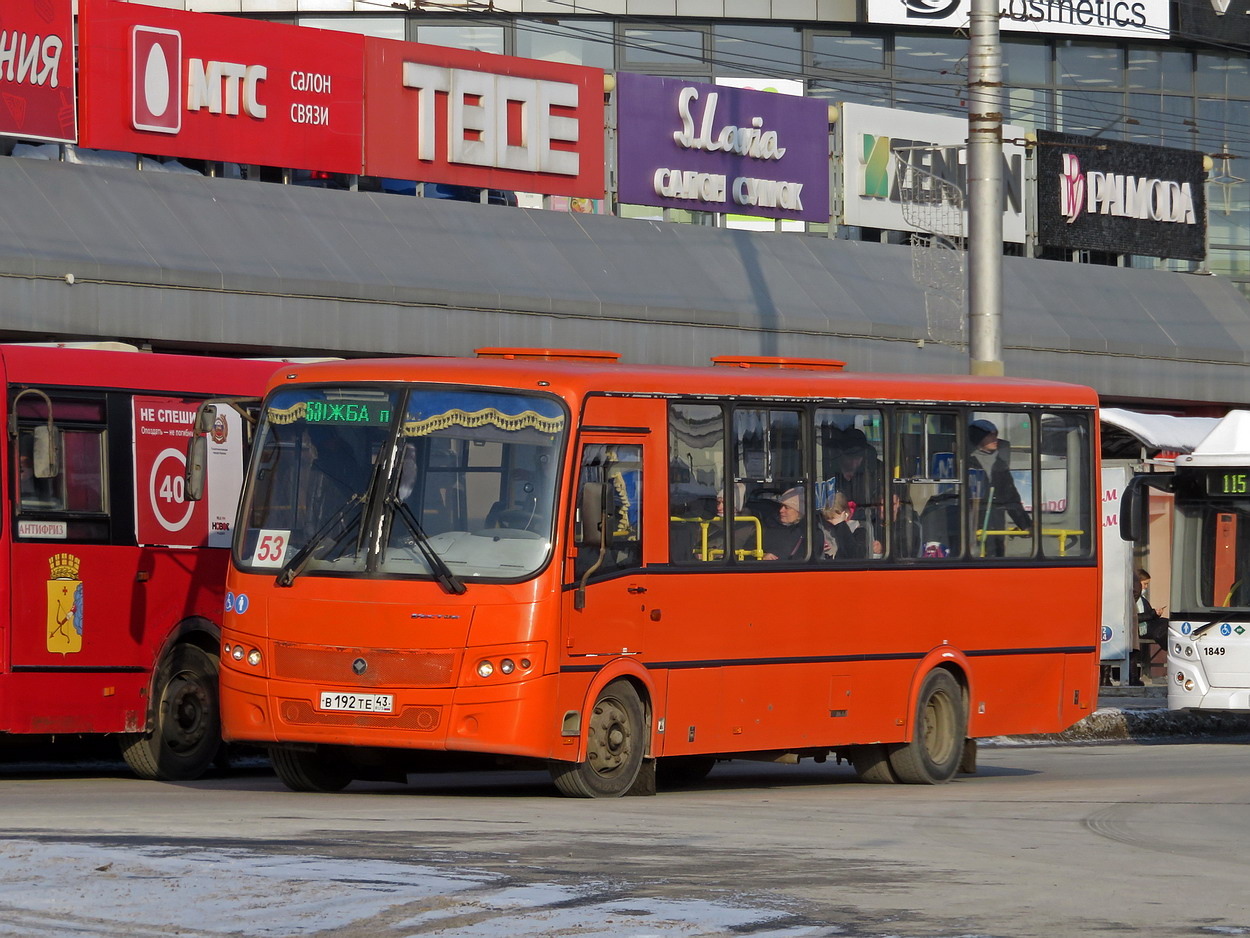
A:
(253, 657)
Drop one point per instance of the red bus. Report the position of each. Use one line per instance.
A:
(549, 556)
(114, 582)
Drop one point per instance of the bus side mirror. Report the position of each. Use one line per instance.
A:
(44, 457)
(197, 451)
(1130, 511)
(593, 512)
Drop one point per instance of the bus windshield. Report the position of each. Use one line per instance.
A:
(453, 483)
(1212, 554)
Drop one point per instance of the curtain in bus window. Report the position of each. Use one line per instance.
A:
(1064, 502)
(1000, 484)
(620, 466)
(696, 484)
(926, 491)
(849, 485)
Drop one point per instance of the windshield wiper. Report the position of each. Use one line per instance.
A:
(295, 566)
(442, 573)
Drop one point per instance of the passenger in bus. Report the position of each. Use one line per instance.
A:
(785, 538)
(994, 497)
(858, 470)
(905, 530)
(844, 536)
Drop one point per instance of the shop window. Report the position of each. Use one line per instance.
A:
(843, 52)
(755, 50)
(469, 36)
(681, 50)
(1087, 65)
(574, 42)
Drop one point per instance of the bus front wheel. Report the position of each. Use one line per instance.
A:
(615, 745)
(185, 734)
(937, 745)
(308, 771)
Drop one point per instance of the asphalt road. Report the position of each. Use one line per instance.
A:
(1128, 839)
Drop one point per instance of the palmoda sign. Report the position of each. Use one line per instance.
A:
(708, 148)
(1140, 19)
(1124, 198)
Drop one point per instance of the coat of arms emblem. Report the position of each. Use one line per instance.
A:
(64, 605)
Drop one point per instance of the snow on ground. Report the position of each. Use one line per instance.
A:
(55, 889)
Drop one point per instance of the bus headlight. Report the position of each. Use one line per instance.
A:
(507, 666)
(485, 669)
(253, 657)
(237, 653)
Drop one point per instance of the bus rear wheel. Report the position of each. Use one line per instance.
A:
(185, 735)
(615, 745)
(937, 746)
(872, 764)
(308, 771)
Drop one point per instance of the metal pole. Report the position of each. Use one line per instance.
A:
(985, 192)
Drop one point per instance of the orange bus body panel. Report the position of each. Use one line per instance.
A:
(733, 661)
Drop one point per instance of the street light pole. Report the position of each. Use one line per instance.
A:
(985, 191)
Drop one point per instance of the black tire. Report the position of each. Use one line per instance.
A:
(616, 741)
(185, 735)
(872, 764)
(682, 771)
(308, 771)
(937, 746)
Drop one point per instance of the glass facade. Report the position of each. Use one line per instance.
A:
(1161, 93)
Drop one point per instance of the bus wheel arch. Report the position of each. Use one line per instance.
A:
(939, 727)
(615, 747)
(183, 733)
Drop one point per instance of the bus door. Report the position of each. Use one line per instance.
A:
(605, 602)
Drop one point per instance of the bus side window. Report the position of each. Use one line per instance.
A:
(620, 467)
(1064, 505)
(696, 484)
(79, 485)
(926, 491)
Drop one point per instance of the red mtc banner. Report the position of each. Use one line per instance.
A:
(219, 88)
(475, 119)
(37, 70)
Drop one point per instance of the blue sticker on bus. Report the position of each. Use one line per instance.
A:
(229, 602)
(1185, 628)
(1226, 629)
(240, 603)
(1106, 633)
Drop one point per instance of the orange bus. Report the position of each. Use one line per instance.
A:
(549, 556)
(114, 583)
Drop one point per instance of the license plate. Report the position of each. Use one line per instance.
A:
(358, 703)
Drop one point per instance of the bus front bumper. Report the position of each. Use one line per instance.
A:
(518, 718)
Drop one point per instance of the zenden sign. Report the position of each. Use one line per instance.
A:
(872, 141)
